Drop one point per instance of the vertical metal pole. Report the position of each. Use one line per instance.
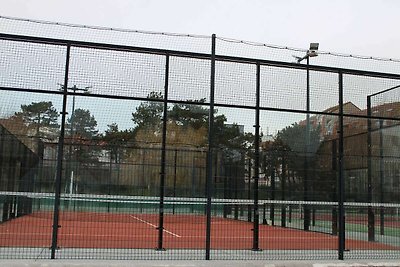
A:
(273, 191)
(313, 208)
(209, 181)
(70, 167)
(341, 173)
(109, 183)
(249, 190)
(60, 152)
(371, 216)
(225, 192)
(256, 163)
(283, 182)
(175, 173)
(305, 196)
(215, 158)
(381, 174)
(144, 184)
(335, 187)
(71, 140)
(163, 151)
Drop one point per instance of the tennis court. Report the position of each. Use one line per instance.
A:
(129, 222)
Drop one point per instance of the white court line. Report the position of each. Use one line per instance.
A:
(153, 225)
(73, 235)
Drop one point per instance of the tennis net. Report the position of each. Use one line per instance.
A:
(91, 207)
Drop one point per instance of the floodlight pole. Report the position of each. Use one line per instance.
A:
(306, 209)
(341, 185)
(312, 52)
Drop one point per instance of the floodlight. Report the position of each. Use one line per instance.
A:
(313, 51)
(314, 46)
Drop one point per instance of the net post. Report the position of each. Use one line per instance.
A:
(256, 222)
(210, 149)
(341, 174)
(163, 152)
(60, 153)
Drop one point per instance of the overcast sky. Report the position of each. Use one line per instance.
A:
(362, 27)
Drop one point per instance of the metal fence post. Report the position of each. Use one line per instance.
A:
(60, 153)
(249, 211)
(256, 222)
(371, 215)
(210, 149)
(334, 163)
(163, 148)
(283, 187)
(175, 173)
(381, 178)
(341, 173)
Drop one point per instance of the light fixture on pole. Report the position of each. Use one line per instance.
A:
(311, 52)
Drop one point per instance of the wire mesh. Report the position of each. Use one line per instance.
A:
(189, 79)
(142, 158)
(192, 43)
(24, 163)
(35, 66)
(282, 88)
(132, 75)
(97, 34)
(232, 80)
(248, 49)
(359, 87)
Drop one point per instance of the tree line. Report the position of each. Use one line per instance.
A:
(187, 126)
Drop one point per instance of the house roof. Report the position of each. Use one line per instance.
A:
(347, 105)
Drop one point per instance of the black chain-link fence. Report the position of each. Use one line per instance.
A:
(113, 151)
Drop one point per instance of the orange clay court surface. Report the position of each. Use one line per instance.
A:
(111, 230)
